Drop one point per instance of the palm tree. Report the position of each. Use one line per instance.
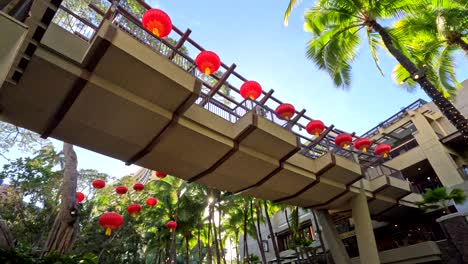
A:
(432, 37)
(270, 228)
(335, 27)
(439, 198)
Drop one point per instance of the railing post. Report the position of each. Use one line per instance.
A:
(179, 44)
(220, 83)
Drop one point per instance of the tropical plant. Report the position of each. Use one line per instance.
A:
(440, 198)
(432, 37)
(335, 27)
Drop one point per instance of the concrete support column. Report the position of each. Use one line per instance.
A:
(436, 153)
(332, 239)
(368, 252)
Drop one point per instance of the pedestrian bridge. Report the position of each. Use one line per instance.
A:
(118, 90)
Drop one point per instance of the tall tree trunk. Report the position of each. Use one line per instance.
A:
(66, 228)
(236, 245)
(209, 245)
(445, 106)
(221, 246)
(319, 232)
(246, 247)
(258, 234)
(291, 231)
(272, 234)
(187, 256)
(6, 239)
(173, 253)
(199, 246)
(215, 237)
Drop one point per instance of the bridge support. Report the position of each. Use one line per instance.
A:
(332, 239)
(368, 252)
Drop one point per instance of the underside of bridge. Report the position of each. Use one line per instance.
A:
(116, 96)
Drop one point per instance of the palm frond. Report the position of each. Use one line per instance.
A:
(446, 71)
(372, 38)
(291, 5)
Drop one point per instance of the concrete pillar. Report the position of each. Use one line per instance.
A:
(333, 240)
(368, 252)
(436, 153)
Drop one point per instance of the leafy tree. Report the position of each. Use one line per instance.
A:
(335, 27)
(439, 198)
(22, 139)
(432, 37)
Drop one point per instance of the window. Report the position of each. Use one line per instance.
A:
(305, 231)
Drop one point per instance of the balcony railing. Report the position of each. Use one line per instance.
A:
(382, 170)
(411, 144)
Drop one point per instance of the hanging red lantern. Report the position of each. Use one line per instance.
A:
(315, 127)
(134, 209)
(251, 90)
(343, 140)
(80, 197)
(171, 225)
(160, 175)
(138, 187)
(207, 62)
(151, 201)
(383, 150)
(99, 184)
(121, 190)
(158, 22)
(109, 221)
(362, 144)
(286, 111)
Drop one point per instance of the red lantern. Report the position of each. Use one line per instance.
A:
(383, 150)
(109, 221)
(80, 197)
(315, 127)
(151, 201)
(286, 111)
(158, 22)
(134, 209)
(171, 225)
(121, 190)
(160, 175)
(138, 187)
(343, 140)
(207, 62)
(99, 184)
(251, 90)
(362, 144)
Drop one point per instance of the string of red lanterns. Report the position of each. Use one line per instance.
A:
(362, 144)
(138, 187)
(207, 62)
(343, 140)
(251, 90)
(172, 225)
(315, 127)
(285, 111)
(382, 150)
(80, 197)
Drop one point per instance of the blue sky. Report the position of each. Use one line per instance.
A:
(251, 34)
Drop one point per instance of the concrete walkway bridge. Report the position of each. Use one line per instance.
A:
(114, 88)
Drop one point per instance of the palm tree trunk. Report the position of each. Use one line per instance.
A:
(187, 250)
(66, 225)
(460, 42)
(215, 237)
(246, 248)
(272, 234)
(291, 231)
(199, 246)
(221, 246)
(209, 246)
(173, 253)
(237, 248)
(258, 235)
(445, 106)
(319, 232)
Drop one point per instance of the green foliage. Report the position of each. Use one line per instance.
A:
(439, 198)
(25, 257)
(22, 139)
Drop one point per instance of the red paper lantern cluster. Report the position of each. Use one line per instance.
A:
(160, 175)
(80, 197)
(151, 201)
(109, 221)
(315, 127)
(383, 150)
(171, 225)
(99, 184)
(138, 187)
(251, 90)
(343, 140)
(134, 209)
(121, 190)
(158, 22)
(207, 62)
(362, 144)
(285, 111)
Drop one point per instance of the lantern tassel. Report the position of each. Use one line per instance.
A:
(133, 214)
(108, 231)
(364, 149)
(252, 97)
(345, 146)
(156, 32)
(385, 155)
(317, 134)
(207, 71)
